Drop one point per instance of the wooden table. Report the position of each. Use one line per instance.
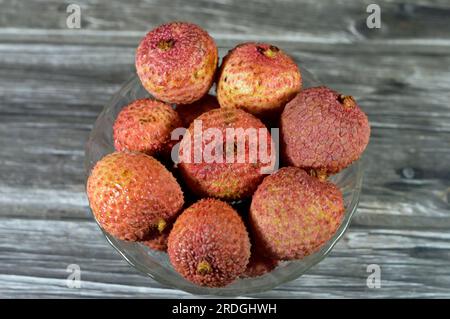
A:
(54, 81)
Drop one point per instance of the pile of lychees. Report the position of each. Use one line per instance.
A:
(191, 204)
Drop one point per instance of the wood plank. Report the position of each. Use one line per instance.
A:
(51, 111)
(404, 256)
(324, 20)
(54, 82)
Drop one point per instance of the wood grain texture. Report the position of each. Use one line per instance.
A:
(54, 82)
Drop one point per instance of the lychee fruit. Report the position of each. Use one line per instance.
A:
(145, 126)
(259, 78)
(224, 154)
(293, 214)
(323, 131)
(259, 264)
(133, 196)
(189, 112)
(176, 62)
(209, 244)
(160, 241)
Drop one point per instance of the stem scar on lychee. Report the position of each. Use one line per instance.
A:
(168, 57)
(319, 173)
(204, 268)
(269, 52)
(165, 45)
(146, 193)
(148, 119)
(338, 141)
(161, 225)
(347, 101)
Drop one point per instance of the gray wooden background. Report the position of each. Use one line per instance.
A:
(54, 81)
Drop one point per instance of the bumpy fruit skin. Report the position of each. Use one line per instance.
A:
(232, 180)
(132, 195)
(259, 264)
(189, 112)
(259, 78)
(323, 131)
(160, 241)
(209, 244)
(145, 126)
(176, 62)
(293, 214)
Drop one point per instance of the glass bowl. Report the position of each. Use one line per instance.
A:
(156, 264)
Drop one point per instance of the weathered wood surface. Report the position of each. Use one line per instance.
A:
(54, 82)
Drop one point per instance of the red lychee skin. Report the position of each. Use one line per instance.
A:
(259, 264)
(323, 130)
(189, 112)
(176, 62)
(293, 214)
(259, 78)
(209, 244)
(227, 181)
(131, 194)
(145, 126)
(159, 242)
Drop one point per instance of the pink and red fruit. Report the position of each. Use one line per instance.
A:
(323, 131)
(160, 241)
(145, 126)
(293, 214)
(229, 179)
(176, 62)
(132, 195)
(259, 78)
(209, 244)
(259, 264)
(189, 112)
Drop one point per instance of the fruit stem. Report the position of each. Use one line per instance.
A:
(270, 52)
(161, 225)
(204, 267)
(319, 173)
(165, 45)
(347, 101)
